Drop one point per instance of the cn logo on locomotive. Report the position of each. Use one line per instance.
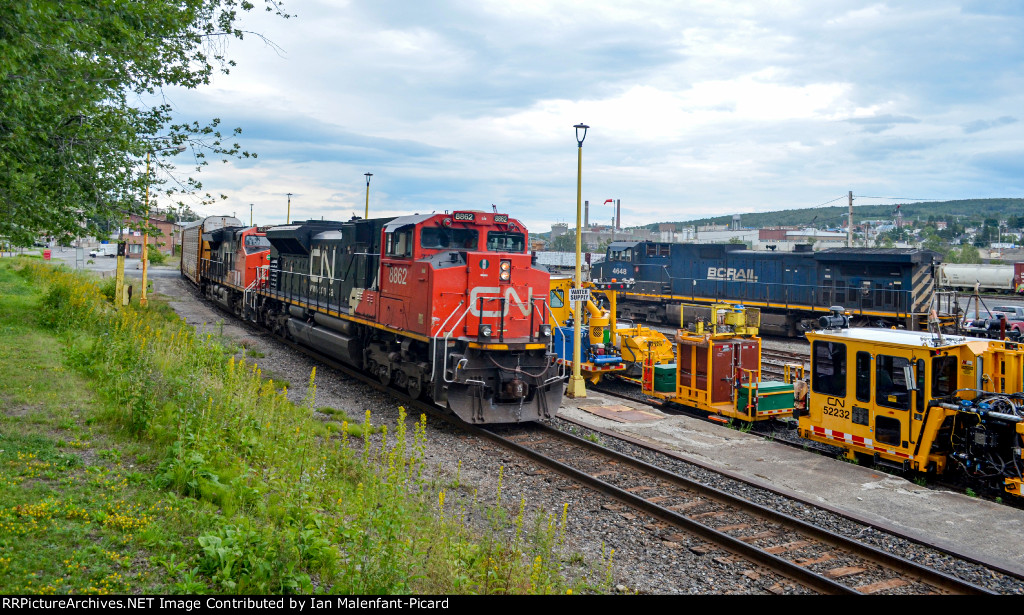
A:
(325, 259)
(474, 301)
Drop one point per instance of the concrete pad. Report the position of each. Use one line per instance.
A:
(984, 530)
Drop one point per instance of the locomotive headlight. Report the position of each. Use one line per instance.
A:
(505, 270)
(485, 330)
(545, 330)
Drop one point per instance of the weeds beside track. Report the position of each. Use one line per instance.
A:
(154, 461)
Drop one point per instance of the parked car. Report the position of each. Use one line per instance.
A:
(105, 249)
(989, 324)
(1013, 312)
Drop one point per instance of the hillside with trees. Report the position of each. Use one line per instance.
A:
(967, 212)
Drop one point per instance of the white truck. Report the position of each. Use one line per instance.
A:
(104, 249)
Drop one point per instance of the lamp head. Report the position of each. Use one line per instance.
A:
(581, 136)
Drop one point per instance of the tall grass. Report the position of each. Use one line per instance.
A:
(302, 505)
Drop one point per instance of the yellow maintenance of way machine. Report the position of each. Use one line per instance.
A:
(609, 346)
(718, 367)
(919, 402)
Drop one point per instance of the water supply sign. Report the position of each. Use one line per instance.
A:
(579, 294)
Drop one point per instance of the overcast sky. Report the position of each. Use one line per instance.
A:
(696, 108)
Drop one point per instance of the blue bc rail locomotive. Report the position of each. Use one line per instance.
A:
(888, 287)
(449, 307)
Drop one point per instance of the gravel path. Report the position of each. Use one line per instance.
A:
(645, 559)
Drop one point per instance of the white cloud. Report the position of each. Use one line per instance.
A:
(726, 106)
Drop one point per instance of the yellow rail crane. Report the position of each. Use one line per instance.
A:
(609, 347)
(718, 367)
(919, 402)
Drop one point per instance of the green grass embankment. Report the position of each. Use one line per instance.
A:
(140, 457)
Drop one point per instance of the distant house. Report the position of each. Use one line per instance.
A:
(170, 235)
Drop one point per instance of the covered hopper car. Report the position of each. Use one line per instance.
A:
(981, 277)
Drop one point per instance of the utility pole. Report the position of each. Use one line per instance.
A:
(849, 228)
(288, 220)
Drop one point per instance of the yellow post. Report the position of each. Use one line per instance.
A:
(577, 388)
(288, 220)
(143, 301)
(366, 215)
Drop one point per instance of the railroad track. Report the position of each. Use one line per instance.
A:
(762, 541)
(774, 361)
(766, 542)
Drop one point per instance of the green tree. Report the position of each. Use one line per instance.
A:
(935, 243)
(564, 243)
(967, 254)
(81, 104)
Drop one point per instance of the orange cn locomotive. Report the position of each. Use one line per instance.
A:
(446, 306)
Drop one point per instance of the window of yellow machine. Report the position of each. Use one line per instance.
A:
(829, 377)
(891, 387)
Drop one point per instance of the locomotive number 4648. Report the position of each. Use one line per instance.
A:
(398, 275)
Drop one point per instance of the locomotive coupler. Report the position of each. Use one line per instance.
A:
(515, 389)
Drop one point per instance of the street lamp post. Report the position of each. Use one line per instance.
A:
(143, 299)
(366, 214)
(577, 388)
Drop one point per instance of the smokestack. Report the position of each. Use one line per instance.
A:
(618, 214)
(586, 214)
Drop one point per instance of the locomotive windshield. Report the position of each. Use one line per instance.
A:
(256, 243)
(399, 242)
(501, 241)
(622, 255)
(439, 238)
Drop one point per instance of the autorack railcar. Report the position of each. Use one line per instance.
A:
(888, 287)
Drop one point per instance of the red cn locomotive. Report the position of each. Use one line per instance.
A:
(225, 260)
(445, 306)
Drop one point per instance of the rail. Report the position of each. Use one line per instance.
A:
(725, 519)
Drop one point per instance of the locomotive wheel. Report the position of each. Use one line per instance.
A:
(415, 388)
(384, 374)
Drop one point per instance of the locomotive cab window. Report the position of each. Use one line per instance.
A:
(439, 238)
(399, 242)
(829, 377)
(256, 243)
(503, 241)
(892, 389)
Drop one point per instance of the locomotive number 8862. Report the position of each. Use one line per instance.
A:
(445, 306)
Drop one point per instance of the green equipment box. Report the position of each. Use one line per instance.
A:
(771, 396)
(665, 378)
